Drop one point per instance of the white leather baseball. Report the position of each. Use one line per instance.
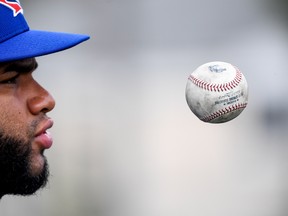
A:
(217, 92)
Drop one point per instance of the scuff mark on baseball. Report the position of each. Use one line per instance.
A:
(217, 92)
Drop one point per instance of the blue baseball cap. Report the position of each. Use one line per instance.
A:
(18, 42)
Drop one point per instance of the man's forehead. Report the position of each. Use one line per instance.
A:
(22, 61)
(28, 64)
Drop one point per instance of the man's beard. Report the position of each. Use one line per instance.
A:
(15, 168)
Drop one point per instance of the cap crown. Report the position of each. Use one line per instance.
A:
(12, 21)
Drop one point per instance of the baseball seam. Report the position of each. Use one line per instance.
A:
(217, 87)
(223, 112)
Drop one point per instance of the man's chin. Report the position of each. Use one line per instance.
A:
(37, 164)
(35, 180)
(21, 172)
(27, 185)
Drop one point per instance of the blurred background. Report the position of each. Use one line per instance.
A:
(125, 141)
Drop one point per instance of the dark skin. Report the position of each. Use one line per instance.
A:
(24, 105)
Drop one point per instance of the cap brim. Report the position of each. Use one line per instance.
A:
(35, 43)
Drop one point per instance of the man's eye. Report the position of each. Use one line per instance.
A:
(11, 80)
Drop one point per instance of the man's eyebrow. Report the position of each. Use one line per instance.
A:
(21, 66)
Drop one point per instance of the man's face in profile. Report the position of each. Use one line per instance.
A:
(23, 129)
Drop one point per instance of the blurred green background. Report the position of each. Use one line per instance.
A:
(125, 141)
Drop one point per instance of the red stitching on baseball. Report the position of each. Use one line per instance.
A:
(223, 112)
(218, 87)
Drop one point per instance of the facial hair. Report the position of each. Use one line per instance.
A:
(15, 168)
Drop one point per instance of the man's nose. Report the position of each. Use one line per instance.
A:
(40, 100)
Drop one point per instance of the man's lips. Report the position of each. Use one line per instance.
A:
(43, 137)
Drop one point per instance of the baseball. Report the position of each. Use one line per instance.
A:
(217, 92)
